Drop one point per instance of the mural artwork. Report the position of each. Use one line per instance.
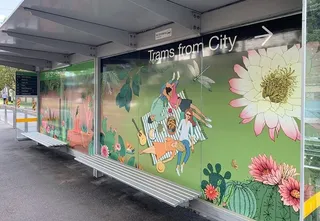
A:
(67, 105)
(229, 119)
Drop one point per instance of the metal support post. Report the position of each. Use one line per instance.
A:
(14, 113)
(25, 116)
(38, 100)
(97, 110)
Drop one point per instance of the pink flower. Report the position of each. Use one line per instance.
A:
(63, 123)
(265, 170)
(104, 151)
(269, 83)
(308, 192)
(287, 171)
(290, 193)
(170, 110)
(117, 147)
(44, 124)
(48, 129)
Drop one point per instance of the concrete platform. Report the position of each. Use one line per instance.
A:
(39, 184)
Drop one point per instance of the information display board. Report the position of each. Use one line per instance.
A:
(26, 83)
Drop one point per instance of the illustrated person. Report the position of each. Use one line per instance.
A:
(156, 112)
(168, 91)
(159, 149)
(185, 128)
(185, 104)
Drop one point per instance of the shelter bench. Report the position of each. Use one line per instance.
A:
(159, 188)
(44, 139)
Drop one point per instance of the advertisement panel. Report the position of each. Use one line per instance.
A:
(219, 114)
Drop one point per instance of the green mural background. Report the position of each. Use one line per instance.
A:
(219, 165)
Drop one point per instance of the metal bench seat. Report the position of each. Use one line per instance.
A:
(157, 187)
(44, 139)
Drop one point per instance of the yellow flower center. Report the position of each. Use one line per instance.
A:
(278, 85)
(295, 194)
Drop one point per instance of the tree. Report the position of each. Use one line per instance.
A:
(313, 20)
(7, 77)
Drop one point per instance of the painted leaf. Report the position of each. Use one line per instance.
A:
(136, 89)
(206, 172)
(218, 167)
(109, 140)
(128, 100)
(64, 134)
(123, 75)
(227, 175)
(127, 107)
(210, 167)
(104, 125)
(114, 156)
(120, 101)
(131, 161)
(91, 148)
(204, 184)
(102, 139)
(124, 97)
(123, 148)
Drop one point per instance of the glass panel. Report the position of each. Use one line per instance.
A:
(26, 115)
(67, 105)
(120, 90)
(312, 113)
(241, 146)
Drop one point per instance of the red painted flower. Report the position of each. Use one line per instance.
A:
(211, 192)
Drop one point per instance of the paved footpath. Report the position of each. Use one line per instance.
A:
(38, 184)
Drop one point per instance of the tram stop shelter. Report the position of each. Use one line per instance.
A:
(151, 93)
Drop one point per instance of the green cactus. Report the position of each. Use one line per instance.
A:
(122, 152)
(131, 161)
(269, 204)
(91, 148)
(109, 136)
(240, 199)
(216, 179)
(64, 133)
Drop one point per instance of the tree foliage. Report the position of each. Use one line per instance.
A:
(7, 77)
(313, 20)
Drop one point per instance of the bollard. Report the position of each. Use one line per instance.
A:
(5, 114)
(14, 113)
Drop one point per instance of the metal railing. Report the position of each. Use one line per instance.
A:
(9, 115)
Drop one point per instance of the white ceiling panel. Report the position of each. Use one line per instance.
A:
(204, 5)
(24, 22)
(120, 14)
(18, 43)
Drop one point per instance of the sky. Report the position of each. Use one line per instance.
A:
(7, 7)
